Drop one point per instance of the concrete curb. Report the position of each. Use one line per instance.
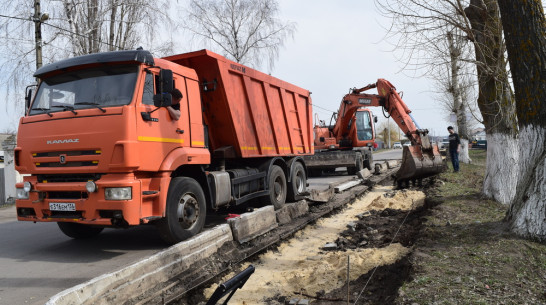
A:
(250, 225)
(291, 211)
(131, 281)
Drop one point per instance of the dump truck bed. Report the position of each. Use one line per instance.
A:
(250, 113)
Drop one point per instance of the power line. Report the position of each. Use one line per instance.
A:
(62, 29)
(13, 17)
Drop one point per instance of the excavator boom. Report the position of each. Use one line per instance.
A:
(420, 160)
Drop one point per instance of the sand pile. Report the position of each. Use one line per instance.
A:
(399, 200)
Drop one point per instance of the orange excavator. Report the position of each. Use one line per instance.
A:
(348, 142)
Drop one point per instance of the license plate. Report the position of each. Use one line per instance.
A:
(62, 206)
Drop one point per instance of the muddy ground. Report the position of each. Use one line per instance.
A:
(377, 229)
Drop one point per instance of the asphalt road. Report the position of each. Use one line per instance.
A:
(37, 261)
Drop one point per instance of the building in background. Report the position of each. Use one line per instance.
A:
(8, 175)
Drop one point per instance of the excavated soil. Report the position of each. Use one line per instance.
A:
(375, 233)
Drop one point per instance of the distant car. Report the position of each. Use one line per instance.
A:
(407, 144)
(480, 144)
(444, 144)
(397, 145)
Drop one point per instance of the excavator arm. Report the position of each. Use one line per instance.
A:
(421, 159)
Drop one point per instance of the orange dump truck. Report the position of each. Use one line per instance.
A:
(103, 149)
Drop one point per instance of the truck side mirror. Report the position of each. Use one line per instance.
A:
(165, 86)
(166, 80)
(28, 96)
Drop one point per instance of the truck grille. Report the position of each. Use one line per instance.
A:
(63, 158)
(68, 178)
(67, 164)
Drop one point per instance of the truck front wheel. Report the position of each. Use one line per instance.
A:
(185, 212)
(277, 187)
(78, 230)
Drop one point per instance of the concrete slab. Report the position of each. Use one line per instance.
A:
(364, 173)
(321, 196)
(379, 168)
(134, 280)
(347, 185)
(291, 211)
(250, 225)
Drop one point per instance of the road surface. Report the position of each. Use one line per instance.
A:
(37, 261)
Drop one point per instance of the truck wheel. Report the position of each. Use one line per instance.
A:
(368, 161)
(277, 187)
(185, 212)
(78, 230)
(298, 185)
(368, 164)
(358, 165)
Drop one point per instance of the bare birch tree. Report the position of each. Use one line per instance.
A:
(420, 24)
(246, 31)
(525, 31)
(109, 25)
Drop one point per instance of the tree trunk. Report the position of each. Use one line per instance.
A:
(458, 104)
(524, 29)
(495, 100)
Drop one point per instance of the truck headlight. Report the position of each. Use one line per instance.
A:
(20, 193)
(118, 193)
(90, 186)
(27, 186)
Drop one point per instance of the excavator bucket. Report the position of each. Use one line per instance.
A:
(418, 163)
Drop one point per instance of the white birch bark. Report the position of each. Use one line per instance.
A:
(502, 169)
(529, 207)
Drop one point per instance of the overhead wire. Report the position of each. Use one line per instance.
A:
(60, 28)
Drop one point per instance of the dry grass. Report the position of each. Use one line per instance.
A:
(465, 253)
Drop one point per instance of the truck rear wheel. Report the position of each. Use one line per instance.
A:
(78, 230)
(185, 212)
(358, 165)
(277, 187)
(298, 184)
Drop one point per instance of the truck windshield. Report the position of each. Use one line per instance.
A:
(363, 126)
(89, 88)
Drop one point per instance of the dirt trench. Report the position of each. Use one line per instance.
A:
(376, 232)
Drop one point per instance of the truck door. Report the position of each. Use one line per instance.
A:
(160, 135)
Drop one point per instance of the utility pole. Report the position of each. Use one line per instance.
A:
(38, 18)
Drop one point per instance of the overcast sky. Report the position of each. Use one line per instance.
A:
(338, 45)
